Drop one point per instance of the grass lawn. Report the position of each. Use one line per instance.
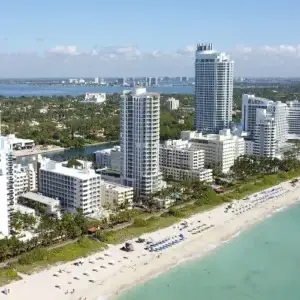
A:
(8, 275)
(133, 231)
(38, 259)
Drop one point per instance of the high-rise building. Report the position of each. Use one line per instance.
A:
(293, 108)
(213, 89)
(265, 134)
(6, 187)
(139, 137)
(277, 110)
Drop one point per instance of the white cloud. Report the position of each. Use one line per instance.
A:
(69, 50)
(244, 49)
(129, 60)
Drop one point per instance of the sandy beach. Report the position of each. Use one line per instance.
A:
(106, 274)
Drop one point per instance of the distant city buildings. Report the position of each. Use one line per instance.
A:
(139, 137)
(172, 103)
(213, 89)
(96, 98)
(151, 81)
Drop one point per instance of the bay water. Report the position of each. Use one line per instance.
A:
(262, 263)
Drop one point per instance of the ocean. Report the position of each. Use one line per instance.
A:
(58, 90)
(262, 263)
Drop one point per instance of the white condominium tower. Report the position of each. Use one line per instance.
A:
(139, 138)
(276, 110)
(6, 187)
(265, 134)
(293, 117)
(213, 89)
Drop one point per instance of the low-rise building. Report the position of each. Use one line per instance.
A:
(220, 150)
(180, 161)
(164, 203)
(184, 174)
(30, 199)
(18, 143)
(94, 98)
(114, 195)
(75, 188)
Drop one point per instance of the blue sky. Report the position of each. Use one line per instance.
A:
(85, 36)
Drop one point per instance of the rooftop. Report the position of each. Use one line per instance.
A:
(116, 186)
(41, 198)
(82, 174)
(12, 139)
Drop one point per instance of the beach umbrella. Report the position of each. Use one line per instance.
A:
(111, 262)
(107, 254)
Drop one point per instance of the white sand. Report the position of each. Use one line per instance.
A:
(110, 280)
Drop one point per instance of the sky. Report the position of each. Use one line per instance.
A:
(146, 38)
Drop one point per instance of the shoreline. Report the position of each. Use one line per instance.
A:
(193, 256)
(107, 275)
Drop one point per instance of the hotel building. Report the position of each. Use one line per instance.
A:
(220, 150)
(75, 188)
(180, 162)
(277, 111)
(213, 89)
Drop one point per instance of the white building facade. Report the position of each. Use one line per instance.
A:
(220, 150)
(172, 103)
(97, 98)
(114, 195)
(276, 110)
(109, 158)
(75, 188)
(24, 179)
(265, 134)
(139, 137)
(293, 108)
(213, 89)
(7, 199)
(179, 161)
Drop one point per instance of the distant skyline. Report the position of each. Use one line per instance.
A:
(157, 38)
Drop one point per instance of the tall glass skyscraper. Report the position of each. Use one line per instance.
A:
(213, 89)
(139, 139)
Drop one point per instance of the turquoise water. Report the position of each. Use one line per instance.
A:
(262, 264)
